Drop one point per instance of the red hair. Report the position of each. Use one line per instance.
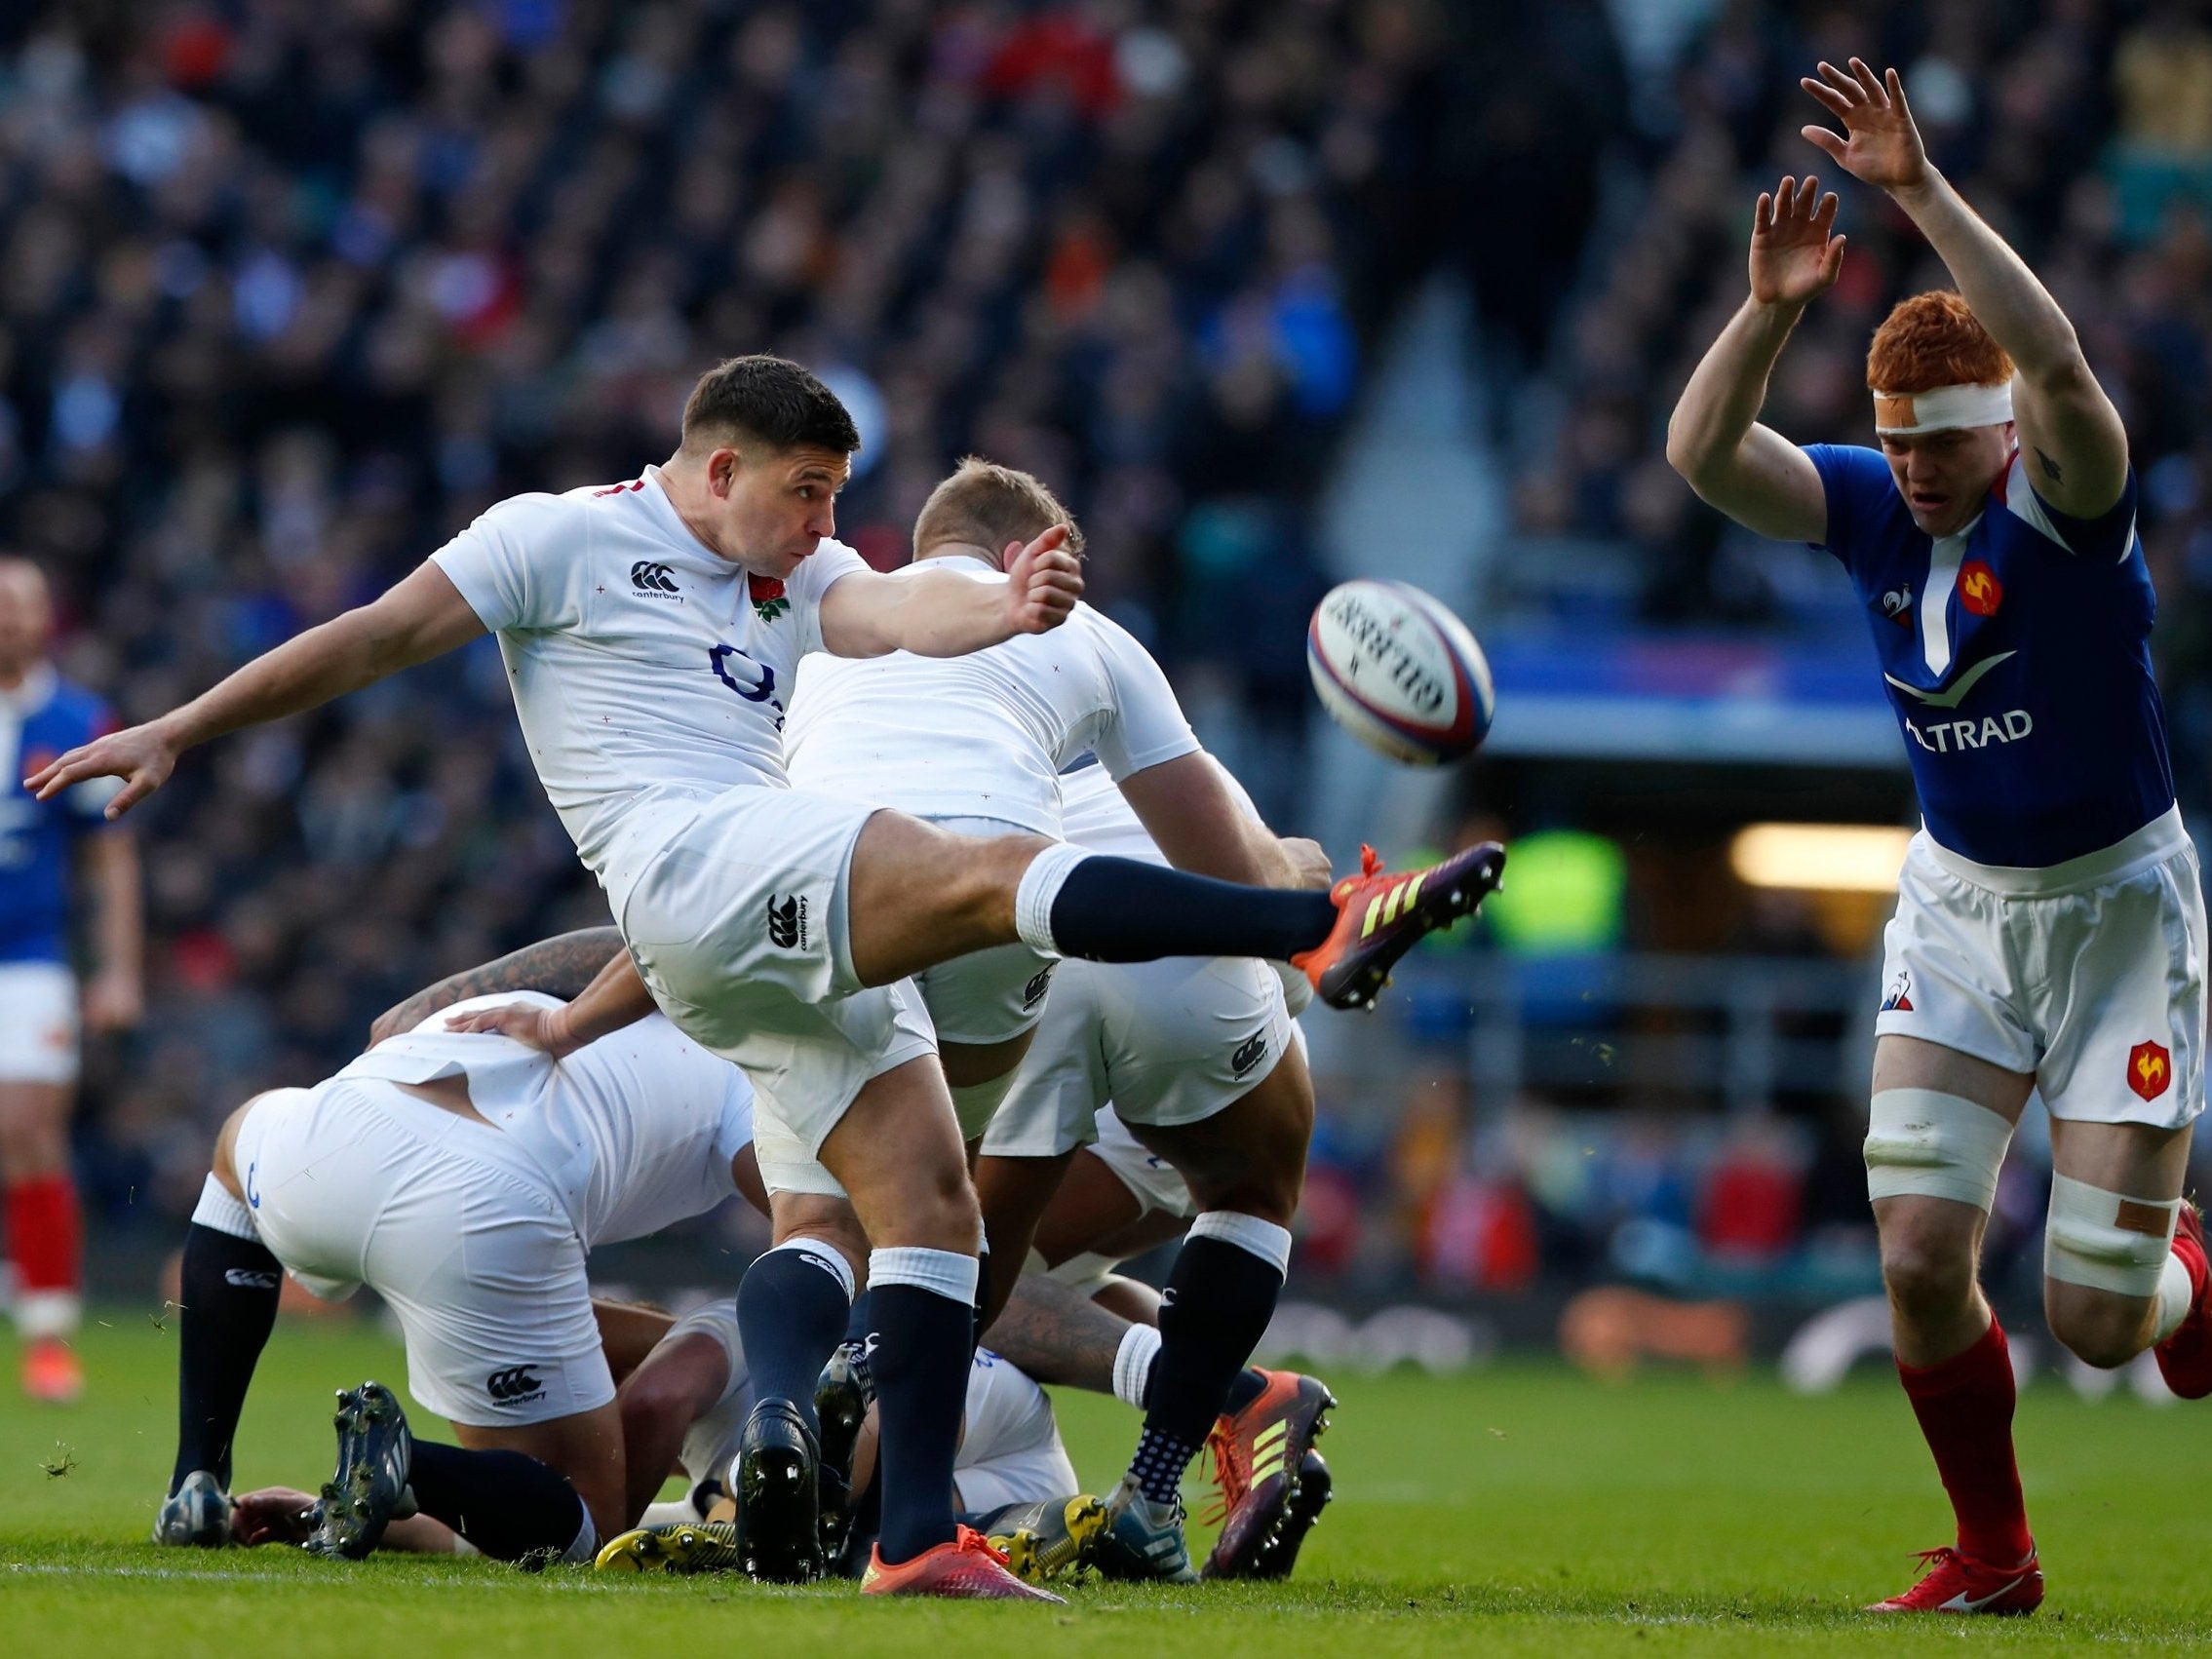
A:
(1932, 340)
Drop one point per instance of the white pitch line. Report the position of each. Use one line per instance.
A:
(220, 1575)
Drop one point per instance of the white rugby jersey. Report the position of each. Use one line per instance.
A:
(641, 662)
(635, 1130)
(984, 735)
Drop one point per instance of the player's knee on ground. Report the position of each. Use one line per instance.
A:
(2103, 1254)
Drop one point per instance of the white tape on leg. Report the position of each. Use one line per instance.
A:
(2107, 1240)
(1921, 1144)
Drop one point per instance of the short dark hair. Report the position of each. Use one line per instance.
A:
(986, 505)
(770, 399)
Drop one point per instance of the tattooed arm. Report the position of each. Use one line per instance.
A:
(1058, 1336)
(558, 967)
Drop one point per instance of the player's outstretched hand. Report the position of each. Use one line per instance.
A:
(1795, 256)
(1882, 146)
(1043, 582)
(141, 755)
(544, 1028)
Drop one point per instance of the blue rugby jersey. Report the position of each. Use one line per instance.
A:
(2017, 657)
(40, 720)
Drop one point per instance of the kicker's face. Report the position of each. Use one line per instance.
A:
(1946, 477)
(775, 509)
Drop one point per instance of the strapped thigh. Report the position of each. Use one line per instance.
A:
(2106, 1240)
(1923, 1143)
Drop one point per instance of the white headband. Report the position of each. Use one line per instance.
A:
(1902, 414)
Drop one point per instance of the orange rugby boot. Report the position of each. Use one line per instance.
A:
(1381, 916)
(1260, 1460)
(967, 1568)
(2184, 1359)
(1953, 1583)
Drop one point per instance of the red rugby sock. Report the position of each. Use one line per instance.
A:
(1964, 1405)
(44, 1234)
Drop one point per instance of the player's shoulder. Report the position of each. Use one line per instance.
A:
(1864, 507)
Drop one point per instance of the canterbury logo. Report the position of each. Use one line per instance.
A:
(513, 1384)
(1249, 1053)
(787, 922)
(250, 1279)
(1955, 693)
(1039, 983)
(649, 578)
(1267, 1448)
(1385, 908)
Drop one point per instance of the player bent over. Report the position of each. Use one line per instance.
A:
(651, 630)
(2050, 927)
(42, 844)
(464, 1178)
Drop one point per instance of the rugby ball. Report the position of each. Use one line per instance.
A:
(1400, 673)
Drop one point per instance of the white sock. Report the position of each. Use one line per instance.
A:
(947, 1272)
(1249, 1233)
(218, 1210)
(1133, 1363)
(2175, 1294)
(1039, 886)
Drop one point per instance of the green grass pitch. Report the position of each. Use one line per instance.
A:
(1517, 1510)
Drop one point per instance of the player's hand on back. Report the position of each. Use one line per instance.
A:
(1883, 145)
(1310, 864)
(546, 1029)
(1043, 582)
(1795, 256)
(141, 755)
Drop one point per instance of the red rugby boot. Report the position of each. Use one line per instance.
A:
(967, 1568)
(1381, 916)
(1953, 1583)
(2184, 1359)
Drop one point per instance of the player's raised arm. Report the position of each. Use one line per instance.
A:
(421, 617)
(938, 613)
(2068, 427)
(1751, 471)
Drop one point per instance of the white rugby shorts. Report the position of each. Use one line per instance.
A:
(1011, 1451)
(988, 996)
(1168, 1042)
(2089, 974)
(356, 1183)
(38, 1022)
(737, 921)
